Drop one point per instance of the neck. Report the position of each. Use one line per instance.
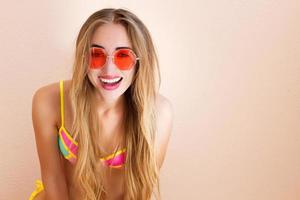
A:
(106, 107)
(111, 112)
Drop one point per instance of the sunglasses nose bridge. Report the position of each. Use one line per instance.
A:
(108, 58)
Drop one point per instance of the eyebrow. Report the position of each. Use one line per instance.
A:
(96, 45)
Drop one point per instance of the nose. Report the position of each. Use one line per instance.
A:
(109, 67)
(109, 61)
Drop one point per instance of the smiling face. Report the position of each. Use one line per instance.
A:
(110, 37)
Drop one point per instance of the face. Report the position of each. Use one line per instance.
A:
(110, 81)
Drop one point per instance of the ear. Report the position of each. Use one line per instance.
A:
(164, 127)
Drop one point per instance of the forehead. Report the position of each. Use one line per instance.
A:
(111, 36)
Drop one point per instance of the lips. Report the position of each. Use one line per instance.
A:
(110, 86)
(108, 76)
(112, 81)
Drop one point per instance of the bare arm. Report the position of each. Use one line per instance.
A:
(43, 119)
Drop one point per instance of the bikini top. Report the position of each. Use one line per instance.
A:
(69, 147)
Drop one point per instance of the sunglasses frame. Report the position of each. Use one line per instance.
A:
(112, 56)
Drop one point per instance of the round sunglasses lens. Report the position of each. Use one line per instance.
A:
(124, 59)
(97, 58)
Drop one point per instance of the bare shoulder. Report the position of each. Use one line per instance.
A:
(46, 100)
(46, 91)
(164, 114)
(164, 107)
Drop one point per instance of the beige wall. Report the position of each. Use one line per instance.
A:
(231, 69)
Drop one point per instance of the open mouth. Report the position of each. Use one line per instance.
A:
(111, 81)
(110, 84)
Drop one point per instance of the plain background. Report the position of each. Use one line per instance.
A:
(231, 69)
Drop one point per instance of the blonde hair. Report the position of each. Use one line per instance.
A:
(141, 169)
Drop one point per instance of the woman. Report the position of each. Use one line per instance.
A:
(104, 133)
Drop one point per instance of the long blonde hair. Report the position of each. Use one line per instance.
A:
(141, 169)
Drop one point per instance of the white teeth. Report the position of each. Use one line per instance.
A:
(110, 80)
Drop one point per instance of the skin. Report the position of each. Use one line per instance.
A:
(111, 36)
(56, 171)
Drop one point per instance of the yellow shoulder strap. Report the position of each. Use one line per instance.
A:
(62, 102)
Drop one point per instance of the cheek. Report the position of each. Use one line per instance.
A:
(130, 75)
(128, 78)
(90, 76)
(93, 76)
